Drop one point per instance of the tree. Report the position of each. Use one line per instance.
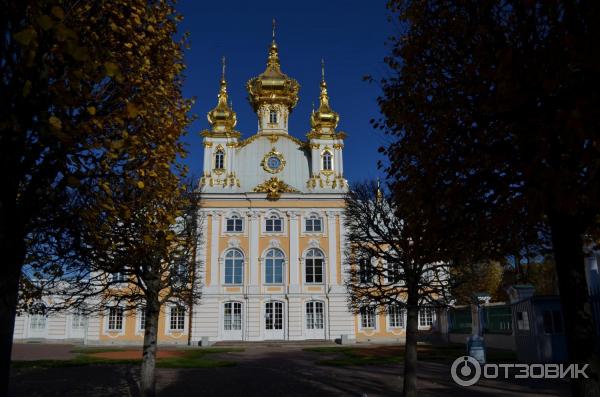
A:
(474, 278)
(87, 87)
(492, 106)
(391, 266)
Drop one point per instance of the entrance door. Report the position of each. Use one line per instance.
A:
(274, 320)
(315, 324)
(232, 321)
(78, 324)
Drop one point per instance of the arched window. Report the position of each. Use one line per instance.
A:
(274, 224)
(273, 116)
(313, 265)
(232, 316)
(234, 267)
(327, 161)
(274, 266)
(396, 316)
(219, 159)
(234, 224)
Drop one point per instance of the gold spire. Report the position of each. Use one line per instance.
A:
(273, 86)
(222, 118)
(379, 192)
(324, 121)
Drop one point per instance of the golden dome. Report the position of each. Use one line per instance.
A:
(273, 86)
(324, 120)
(222, 118)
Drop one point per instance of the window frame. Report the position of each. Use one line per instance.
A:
(313, 321)
(234, 266)
(219, 158)
(181, 313)
(273, 273)
(119, 318)
(367, 312)
(273, 116)
(396, 317)
(314, 254)
(312, 217)
(232, 316)
(234, 217)
(273, 217)
(327, 161)
(426, 313)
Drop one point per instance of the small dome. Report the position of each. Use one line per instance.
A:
(273, 86)
(222, 118)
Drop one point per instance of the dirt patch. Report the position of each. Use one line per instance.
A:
(136, 354)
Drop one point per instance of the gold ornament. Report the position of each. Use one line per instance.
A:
(274, 188)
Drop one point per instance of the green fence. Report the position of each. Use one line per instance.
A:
(497, 320)
(460, 320)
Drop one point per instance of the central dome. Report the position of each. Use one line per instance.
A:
(273, 86)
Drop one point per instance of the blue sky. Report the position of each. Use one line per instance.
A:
(349, 35)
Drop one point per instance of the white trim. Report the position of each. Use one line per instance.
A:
(263, 262)
(168, 329)
(222, 260)
(106, 319)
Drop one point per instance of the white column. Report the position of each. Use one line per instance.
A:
(253, 236)
(316, 159)
(214, 248)
(207, 159)
(332, 237)
(294, 248)
(341, 161)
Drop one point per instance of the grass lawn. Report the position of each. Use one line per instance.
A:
(192, 358)
(393, 354)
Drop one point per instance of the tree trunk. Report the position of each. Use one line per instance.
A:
(148, 373)
(13, 252)
(410, 348)
(582, 343)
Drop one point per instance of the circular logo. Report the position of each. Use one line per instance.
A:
(465, 371)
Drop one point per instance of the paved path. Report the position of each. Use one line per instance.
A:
(267, 370)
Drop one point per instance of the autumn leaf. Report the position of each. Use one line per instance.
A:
(45, 22)
(111, 68)
(91, 110)
(58, 12)
(55, 122)
(140, 184)
(25, 36)
(132, 110)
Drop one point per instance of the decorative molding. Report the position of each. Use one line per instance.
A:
(274, 188)
(313, 243)
(274, 243)
(233, 243)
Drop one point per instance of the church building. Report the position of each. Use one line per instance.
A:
(273, 252)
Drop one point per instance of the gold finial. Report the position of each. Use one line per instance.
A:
(313, 106)
(379, 192)
(223, 68)
(273, 29)
(322, 69)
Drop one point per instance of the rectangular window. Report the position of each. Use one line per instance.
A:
(115, 318)
(394, 273)
(367, 317)
(117, 277)
(425, 317)
(234, 225)
(314, 270)
(38, 321)
(523, 321)
(142, 318)
(78, 320)
(313, 225)
(232, 319)
(366, 271)
(274, 225)
(177, 320)
(314, 315)
(396, 314)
